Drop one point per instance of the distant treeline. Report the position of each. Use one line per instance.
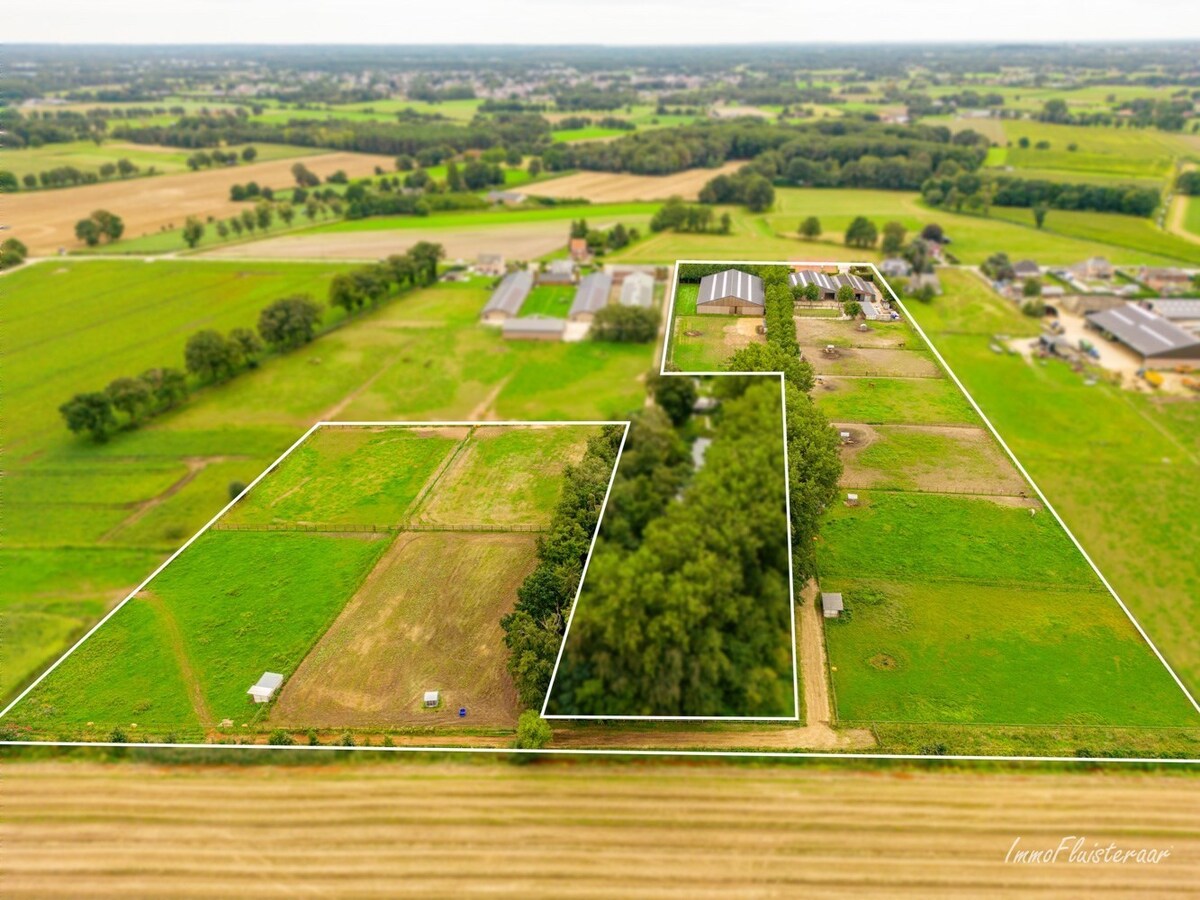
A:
(824, 154)
(978, 193)
(527, 132)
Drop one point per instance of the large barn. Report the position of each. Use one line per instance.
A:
(590, 297)
(506, 300)
(731, 293)
(1158, 342)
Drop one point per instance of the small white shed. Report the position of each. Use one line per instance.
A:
(831, 605)
(432, 699)
(266, 687)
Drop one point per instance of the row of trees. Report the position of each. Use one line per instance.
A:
(534, 630)
(747, 187)
(978, 194)
(207, 159)
(368, 285)
(68, 176)
(687, 605)
(675, 215)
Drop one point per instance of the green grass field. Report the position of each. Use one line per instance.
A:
(182, 653)
(1123, 469)
(346, 476)
(72, 326)
(549, 300)
(1191, 216)
(910, 401)
(497, 216)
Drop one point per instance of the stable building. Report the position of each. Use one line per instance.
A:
(831, 605)
(507, 298)
(265, 688)
(829, 285)
(590, 297)
(533, 328)
(638, 290)
(1160, 344)
(731, 293)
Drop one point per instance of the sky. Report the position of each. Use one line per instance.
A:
(595, 22)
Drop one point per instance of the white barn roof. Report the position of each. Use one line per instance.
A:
(805, 277)
(592, 293)
(511, 293)
(637, 289)
(731, 283)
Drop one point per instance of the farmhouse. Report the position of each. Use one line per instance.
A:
(925, 279)
(590, 297)
(265, 689)
(1165, 281)
(730, 293)
(895, 267)
(1096, 267)
(508, 198)
(558, 271)
(506, 300)
(638, 290)
(490, 264)
(1158, 342)
(831, 605)
(829, 285)
(1027, 268)
(578, 248)
(533, 328)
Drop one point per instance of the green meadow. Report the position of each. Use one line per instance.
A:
(73, 326)
(183, 652)
(549, 300)
(1122, 468)
(886, 401)
(88, 156)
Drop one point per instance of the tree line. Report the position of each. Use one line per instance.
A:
(210, 357)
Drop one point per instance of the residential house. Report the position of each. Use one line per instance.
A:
(578, 248)
(895, 267)
(1091, 269)
(505, 198)
(490, 264)
(1026, 269)
(1165, 281)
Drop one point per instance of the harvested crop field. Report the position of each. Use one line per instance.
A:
(650, 830)
(616, 187)
(524, 240)
(427, 618)
(938, 458)
(876, 361)
(45, 220)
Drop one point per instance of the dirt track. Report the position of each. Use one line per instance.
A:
(638, 829)
(45, 220)
(615, 187)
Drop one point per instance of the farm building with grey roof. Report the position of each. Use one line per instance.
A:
(637, 290)
(1157, 341)
(506, 300)
(590, 297)
(533, 328)
(731, 293)
(829, 285)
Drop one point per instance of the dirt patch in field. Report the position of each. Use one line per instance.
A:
(877, 361)
(615, 187)
(519, 240)
(426, 619)
(929, 458)
(45, 220)
(811, 332)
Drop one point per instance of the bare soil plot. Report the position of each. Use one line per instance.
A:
(876, 361)
(937, 458)
(523, 240)
(427, 618)
(504, 477)
(845, 333)
(45, 220)
(616, 187)
(648, 830)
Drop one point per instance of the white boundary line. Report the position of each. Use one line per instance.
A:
(267, 471)
(974, 405)
(734, 754)
(787, 497)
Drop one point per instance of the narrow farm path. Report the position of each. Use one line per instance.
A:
(175, 639)
(814, 674)
(338, 408)
(483, 409)
(195, 465)
(416, 507)
(1176, 220)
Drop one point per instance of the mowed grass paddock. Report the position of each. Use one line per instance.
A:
(179, 657)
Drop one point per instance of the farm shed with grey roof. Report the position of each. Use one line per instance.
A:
(829, 285)
(533, 328)
(1152, 337)
(590, 297)
(637, 290)
(730, 293)
(506, 300)
(831, 605)
(1177, 310)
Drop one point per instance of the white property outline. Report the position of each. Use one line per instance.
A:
(267, 471)
(795, 652)
(778, 755)
(975, 406)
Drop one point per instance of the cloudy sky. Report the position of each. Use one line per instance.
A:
(596, 22)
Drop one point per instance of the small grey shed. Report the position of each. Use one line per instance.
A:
(831, 605)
